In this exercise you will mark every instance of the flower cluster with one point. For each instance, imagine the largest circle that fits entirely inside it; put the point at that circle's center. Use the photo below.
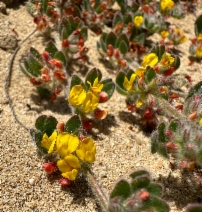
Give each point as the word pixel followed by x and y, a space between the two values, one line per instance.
pixel 71 151
pixel 196 46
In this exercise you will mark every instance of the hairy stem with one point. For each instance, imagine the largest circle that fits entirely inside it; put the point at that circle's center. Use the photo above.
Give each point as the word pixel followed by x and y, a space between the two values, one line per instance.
pixel 98 191
pixel 167 108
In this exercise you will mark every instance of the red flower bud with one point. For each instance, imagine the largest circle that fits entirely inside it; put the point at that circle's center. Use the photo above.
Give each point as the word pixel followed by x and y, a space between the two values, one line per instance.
pixel 132 108
pixel 192 116
pixel 34 81
pixel 59 75
pixel 171 146
pixel 56 63
pixel 65 182
pixel 45 56
pixel 50 167
pixel 144 195
pixel 65 43
pixel 103 96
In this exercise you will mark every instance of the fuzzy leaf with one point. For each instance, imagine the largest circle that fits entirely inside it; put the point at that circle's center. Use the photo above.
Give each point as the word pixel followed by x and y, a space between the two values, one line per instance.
pixel 150 74
pixel 73 125
pixel 140 182
pixel 197 89
pixel 111 39
pixel 123 47
pixel 159 51
pixel 137 174
pixel 198 25
pixel 117 19
pixel 154 142
pixel 177 62
pixel 28 69
pixel 46 124
pixel 127 19
pixel 75 81
pixel 44 93
pixel 161 133
pixel 34 65
pixel 84 32
pixel 122 188
pixel 24 71
pixel 155 189
pixel 122 37
pixel 109 89
pixel 44 5
pixel 173 126
pixel 120 79
pixel 155 204
pixel 36 54
pixel 91 76
pixel 140 38
pixel 61 57
pixel 51 49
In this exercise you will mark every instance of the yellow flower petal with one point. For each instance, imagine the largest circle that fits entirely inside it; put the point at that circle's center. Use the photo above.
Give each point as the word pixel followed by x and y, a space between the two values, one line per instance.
pixel 140 71
pixel 77 95
pixel 164 34
pixel 72 161
pixel 199 51
pixel 63 166
pixel 166 5
pixel 90 157
pixel 199 38
pixel 128 85
pixel 49 142
pixel 71 175
pixel 150 60
pixel 96 88
pixel 139 103
pixel 138 20
pixel 200 122
pixel 167 60
pixel 90 103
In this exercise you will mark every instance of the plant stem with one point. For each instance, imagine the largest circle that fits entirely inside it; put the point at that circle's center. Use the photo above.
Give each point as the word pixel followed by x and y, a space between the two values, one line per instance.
pixel 169 109
pixel 98 191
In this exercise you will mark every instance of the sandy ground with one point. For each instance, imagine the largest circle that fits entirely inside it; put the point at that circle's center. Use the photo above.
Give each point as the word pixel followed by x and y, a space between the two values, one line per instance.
pixel 119 150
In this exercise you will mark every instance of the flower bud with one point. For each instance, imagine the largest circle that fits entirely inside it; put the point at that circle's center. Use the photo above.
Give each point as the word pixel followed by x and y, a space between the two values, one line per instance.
pixel 61 126
pixel 50 167
pixel 143 195
pixel 103 97
pixel 45 56
pixel 65 43
pixel 100 114
pixel 192 116
pixel 65 182
pixel 171 146
pixel 87 124
pixel 56 63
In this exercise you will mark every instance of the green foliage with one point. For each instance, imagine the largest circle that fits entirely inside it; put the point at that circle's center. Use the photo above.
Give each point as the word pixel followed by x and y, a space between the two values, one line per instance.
pixel 73 125
pixel 138 195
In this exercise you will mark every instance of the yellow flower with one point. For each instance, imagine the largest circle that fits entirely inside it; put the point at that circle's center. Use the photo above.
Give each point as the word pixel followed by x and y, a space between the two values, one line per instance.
pixel 164 34
pixel 128 84
pixel 66 144
pixel 140 71
pixel 150 60
pixel 49 142
pixel 200 121
pixel 199 51
pixel 86 150
pixel 90 103
pixel 166 5
pixel 96 88
pixel 69 166
pixel 199 38
pixel 139 103
pixel 167 60
pixel 180 37
pixel 77 95
pixel 138 21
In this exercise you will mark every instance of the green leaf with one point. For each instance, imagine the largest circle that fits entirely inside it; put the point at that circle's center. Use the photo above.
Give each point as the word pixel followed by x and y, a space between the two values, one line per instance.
pixel 154 142
pixel 29 70
pixel 120 79
pixel 139 173
pixel 173 126
pixel 159 51
pixel 122 189
pixel 103 45
pixel 75 81
pixel 84 32
pixel 121 91
pixel 177 62
pixel 44 5
pixel 105 81
pixel 161 133
pixel 91 76
pixel 34 65
pixel 44 93
pixel 24 71
pixel 150 74
pixel 197 89
pixel 36 54
pixel 123 47
pixel 61 57
pixel 51 49
pixel 73 125
pixel 109 89
pixel 127 19
pixel 198 25
pixel 199 156
pixel 37 138
pixel 111 39
pixel 140 38
pixel 117 19
pixel 122 37
pixel 140 182
pixel 155 204
pixel 46 124
pixel 155 189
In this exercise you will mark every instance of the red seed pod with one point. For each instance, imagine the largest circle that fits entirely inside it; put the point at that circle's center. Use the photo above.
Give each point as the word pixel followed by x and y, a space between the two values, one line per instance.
pixel 34 81
pixel 103 97
pixel 87 124
pixel 50 167
pixel 45 56
pixel 65 182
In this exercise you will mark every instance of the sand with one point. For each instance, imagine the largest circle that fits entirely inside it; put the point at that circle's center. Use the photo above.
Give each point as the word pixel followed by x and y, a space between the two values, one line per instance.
pixel 24 186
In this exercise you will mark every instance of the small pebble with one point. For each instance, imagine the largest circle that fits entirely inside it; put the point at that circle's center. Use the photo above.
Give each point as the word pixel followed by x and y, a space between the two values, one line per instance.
pixel 31 181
